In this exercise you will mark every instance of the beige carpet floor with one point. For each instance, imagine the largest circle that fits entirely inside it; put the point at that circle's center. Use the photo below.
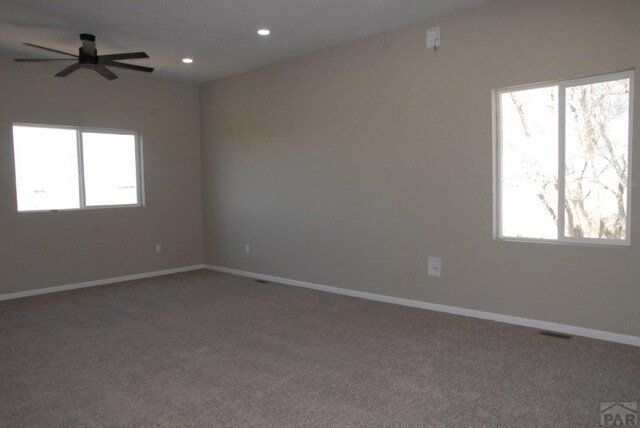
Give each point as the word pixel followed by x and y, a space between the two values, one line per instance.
pixel 210 349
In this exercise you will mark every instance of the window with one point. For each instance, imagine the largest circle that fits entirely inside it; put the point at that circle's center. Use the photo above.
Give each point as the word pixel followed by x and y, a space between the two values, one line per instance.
pixel 564 160
pixel 62 168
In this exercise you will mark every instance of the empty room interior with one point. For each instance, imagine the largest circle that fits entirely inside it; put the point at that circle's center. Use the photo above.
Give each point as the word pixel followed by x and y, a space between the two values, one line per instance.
pixel 289 213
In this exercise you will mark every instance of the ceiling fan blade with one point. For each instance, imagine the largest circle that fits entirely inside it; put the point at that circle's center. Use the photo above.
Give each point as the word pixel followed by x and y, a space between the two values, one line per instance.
pixel 130 55
pixel 128 66
pixel 67 71
pixel 50 50
pixel 105 72
pixel 43 60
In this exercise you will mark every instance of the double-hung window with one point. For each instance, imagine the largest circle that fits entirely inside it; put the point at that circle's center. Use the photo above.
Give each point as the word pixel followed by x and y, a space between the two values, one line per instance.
pixel 65 168
pixel 563 167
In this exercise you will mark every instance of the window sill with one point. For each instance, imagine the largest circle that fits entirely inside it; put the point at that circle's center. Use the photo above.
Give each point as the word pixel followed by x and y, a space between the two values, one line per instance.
pixel 575 243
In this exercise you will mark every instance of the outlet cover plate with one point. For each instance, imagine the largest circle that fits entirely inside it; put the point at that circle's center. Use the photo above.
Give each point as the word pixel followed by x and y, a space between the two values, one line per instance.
pixel 434 267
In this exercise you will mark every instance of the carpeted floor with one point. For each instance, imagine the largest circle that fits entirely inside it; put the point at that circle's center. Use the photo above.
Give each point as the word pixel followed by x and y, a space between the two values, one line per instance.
pixel 210 349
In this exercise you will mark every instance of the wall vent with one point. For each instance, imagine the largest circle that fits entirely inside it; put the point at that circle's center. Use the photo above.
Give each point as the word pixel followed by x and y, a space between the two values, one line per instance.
pixel 555 334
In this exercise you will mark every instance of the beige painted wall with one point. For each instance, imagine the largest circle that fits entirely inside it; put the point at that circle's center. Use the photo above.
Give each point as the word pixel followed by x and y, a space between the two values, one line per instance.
pixel 349 167
pixel 40 250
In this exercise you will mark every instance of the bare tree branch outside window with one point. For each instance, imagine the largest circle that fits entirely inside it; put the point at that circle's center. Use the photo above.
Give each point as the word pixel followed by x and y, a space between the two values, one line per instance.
pixel 596 146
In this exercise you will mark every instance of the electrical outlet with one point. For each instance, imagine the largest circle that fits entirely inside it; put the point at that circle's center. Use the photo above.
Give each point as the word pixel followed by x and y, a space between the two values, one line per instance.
pixel 158 248
pixel 435 267
pixel 247 249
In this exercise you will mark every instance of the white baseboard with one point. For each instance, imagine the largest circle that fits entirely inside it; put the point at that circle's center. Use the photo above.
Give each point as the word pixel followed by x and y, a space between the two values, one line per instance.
pixel 508 319
pixel 95 283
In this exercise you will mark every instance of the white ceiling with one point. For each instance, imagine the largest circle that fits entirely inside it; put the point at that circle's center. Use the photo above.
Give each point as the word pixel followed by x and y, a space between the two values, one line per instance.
pixel 219 34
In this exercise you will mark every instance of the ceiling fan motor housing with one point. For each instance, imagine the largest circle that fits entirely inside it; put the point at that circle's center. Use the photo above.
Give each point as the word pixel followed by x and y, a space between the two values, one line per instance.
pixel 88 54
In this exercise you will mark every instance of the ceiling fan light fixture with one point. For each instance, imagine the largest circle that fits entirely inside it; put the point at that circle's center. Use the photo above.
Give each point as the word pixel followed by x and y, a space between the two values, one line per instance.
pixel 264 32
pixel 187 60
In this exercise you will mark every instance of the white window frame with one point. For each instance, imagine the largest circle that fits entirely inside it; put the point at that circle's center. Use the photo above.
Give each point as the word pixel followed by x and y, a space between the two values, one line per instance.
pixel 81 185
pixel 562 86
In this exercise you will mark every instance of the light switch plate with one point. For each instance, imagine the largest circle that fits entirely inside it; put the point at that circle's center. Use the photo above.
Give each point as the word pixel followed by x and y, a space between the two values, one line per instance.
pixel 433 38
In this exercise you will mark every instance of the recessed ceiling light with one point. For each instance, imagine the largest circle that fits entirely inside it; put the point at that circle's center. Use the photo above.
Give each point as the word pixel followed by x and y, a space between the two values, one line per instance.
pixel 264 32
pixel 187 60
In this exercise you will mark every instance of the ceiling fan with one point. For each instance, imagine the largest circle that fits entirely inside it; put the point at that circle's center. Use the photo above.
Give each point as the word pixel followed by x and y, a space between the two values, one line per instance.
pixel 88 58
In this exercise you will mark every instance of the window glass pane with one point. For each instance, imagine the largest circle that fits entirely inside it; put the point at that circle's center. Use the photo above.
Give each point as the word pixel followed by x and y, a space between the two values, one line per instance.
pixel 529 163
pixel 109 169
pixel 46 162
pixel 597 156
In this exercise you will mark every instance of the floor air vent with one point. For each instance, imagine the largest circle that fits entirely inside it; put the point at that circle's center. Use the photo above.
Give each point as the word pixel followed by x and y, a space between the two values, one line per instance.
pixel 262 281
pixel 555 334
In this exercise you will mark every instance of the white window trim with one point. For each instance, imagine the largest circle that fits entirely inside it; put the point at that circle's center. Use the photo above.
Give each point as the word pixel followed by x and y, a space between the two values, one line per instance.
pixel 81 185
pixel 497 172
